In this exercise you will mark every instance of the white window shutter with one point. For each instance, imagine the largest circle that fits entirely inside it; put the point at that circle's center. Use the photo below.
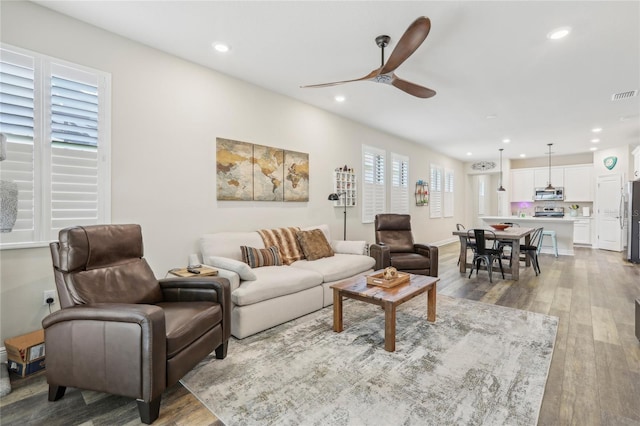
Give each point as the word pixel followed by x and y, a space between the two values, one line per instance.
pixel 17 94
pixel 435 201
pixel 448 193
pixel 56 118
pixel 399 202
pixel 373 183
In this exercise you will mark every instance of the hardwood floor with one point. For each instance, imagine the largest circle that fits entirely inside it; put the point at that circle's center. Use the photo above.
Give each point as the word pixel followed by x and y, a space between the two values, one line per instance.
pixel 594 378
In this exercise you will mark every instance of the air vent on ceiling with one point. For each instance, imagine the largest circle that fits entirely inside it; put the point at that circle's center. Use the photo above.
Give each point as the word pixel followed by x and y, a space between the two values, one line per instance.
pixel 624 95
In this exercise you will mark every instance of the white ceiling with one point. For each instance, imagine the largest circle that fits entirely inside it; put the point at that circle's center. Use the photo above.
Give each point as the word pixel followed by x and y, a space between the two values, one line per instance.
pixel 482 58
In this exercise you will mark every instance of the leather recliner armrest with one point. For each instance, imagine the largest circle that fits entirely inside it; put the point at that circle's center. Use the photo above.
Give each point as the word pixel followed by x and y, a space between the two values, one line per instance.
pixel 431 252
pixel 381 254
pixel 210 289
pixel 108 347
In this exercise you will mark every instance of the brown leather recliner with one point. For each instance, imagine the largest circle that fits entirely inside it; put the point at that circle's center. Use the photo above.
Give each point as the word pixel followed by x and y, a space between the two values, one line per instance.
pixel 395 247
pixel 120 330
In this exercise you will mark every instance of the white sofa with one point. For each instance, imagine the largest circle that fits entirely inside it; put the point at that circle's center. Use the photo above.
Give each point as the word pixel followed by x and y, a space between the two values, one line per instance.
pixel 267 296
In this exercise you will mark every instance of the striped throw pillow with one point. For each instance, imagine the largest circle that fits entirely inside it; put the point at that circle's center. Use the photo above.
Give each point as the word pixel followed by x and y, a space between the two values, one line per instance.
pixel 256 258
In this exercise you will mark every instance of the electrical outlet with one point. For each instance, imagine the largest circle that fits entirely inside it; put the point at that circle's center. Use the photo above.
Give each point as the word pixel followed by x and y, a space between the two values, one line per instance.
pixel 48 294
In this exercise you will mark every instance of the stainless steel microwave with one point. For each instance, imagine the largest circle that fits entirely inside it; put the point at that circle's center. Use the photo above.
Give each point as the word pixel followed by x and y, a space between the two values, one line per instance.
pixel 543 194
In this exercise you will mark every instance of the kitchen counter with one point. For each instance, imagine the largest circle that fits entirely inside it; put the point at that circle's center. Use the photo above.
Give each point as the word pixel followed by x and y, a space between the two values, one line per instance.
pixel 562 225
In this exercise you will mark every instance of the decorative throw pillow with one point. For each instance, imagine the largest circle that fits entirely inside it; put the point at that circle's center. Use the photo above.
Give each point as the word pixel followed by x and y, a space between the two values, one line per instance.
pixel 286 241
pixel 256 258
pixel 240 268
pixel 314 244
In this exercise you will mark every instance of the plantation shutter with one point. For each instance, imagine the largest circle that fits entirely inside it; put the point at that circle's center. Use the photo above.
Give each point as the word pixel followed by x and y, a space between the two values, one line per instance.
pixel 56 119
pixel 373 183
pixel 435 205
pixel 448 193
pixel 399 202
pixel 74 148
pixel 17 94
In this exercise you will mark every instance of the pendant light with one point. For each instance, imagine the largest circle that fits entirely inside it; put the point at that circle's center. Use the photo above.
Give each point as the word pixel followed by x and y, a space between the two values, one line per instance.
pixel 549 186
pixel 501 188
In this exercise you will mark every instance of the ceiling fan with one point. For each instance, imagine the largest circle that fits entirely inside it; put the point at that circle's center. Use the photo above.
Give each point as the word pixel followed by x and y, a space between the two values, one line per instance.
pixel 409 42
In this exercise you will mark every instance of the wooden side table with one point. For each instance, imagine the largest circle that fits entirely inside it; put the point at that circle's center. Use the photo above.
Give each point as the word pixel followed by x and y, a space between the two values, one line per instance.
pixel 205 271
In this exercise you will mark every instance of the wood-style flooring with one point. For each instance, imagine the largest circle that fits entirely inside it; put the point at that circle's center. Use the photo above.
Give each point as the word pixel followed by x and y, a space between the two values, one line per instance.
pixel 594 377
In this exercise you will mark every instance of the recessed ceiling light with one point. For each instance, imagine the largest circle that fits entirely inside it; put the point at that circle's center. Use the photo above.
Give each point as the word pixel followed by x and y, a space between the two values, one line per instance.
pixel 595 140
pixel 596 129
pixel 593 148
pixel 469 153
pixel 559 33
pixel 339 98
pixel 506 140
pixel 221 47
pixel 523 155
pixel 492 116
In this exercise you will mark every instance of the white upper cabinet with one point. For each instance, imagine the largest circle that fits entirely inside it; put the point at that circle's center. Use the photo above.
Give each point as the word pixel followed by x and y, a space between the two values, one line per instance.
pixel 522 186
pixel 578 183
pixel 541 177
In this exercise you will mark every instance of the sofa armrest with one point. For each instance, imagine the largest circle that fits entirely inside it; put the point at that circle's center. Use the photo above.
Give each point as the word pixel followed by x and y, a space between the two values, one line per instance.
pixel 108 347
pixel 431 252
pixel 381 254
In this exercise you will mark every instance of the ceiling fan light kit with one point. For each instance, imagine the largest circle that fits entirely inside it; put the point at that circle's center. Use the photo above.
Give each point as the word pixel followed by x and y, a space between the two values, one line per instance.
pixel 408 43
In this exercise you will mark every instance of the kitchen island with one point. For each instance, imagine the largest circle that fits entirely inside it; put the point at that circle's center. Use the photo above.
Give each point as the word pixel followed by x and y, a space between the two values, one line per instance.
pixel 562 225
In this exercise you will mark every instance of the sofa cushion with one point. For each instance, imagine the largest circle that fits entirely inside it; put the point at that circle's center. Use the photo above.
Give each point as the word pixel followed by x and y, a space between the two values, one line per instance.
pixel 324 228
pixel 185 322
pixel 275 281
pixel 349 247
pixel 227 244
pixel 314 244
pixel 337 267
pixel 257 258
pixel 240 268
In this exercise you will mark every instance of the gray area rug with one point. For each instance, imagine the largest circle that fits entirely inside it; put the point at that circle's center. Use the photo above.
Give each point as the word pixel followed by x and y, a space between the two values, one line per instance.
pixel 479 364
pixel 5 384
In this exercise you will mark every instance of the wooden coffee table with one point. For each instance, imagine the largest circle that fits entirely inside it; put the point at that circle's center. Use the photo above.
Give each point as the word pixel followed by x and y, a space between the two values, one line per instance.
pixel 388 298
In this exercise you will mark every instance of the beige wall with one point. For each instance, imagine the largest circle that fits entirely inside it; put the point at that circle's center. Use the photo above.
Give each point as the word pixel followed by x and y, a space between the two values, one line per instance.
pixel 166 114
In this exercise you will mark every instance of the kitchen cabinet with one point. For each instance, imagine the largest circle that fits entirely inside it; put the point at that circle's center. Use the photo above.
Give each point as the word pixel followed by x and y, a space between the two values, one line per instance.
pixel 522 186
pixel 636 163
pixel 541 177
pixel 578 183
pixel 582 231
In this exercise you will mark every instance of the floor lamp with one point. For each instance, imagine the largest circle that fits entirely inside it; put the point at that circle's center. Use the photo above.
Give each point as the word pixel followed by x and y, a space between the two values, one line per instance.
pixel 336 197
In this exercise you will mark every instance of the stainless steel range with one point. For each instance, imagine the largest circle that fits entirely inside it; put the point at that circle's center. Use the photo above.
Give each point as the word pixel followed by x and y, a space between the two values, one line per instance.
pixel 548 211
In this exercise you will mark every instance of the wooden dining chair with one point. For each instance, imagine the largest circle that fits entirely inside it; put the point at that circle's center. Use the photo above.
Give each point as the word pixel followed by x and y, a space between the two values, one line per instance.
pixel 483 254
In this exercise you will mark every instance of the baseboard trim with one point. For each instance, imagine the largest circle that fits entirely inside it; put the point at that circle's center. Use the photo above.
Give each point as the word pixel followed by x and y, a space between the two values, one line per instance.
pixel 445 242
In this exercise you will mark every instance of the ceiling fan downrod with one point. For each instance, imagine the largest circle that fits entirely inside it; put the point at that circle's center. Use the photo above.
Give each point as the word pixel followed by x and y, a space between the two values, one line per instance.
pixel 382 41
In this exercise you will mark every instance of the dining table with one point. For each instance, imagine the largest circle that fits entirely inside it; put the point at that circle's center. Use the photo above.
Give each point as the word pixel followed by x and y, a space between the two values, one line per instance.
pixel 512 234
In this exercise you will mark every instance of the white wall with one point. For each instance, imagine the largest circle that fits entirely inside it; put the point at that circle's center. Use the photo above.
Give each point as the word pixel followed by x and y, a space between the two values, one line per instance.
pixel 166 115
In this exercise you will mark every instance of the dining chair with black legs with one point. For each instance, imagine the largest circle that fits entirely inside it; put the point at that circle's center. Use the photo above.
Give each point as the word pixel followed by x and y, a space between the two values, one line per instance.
pixel 532 249
pixel 483 254
pixel 470 243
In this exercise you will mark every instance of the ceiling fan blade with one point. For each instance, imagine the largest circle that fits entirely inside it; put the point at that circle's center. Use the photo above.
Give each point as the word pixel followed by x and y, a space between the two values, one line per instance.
pixel 412 88
pixel 369 76
pixel 409 42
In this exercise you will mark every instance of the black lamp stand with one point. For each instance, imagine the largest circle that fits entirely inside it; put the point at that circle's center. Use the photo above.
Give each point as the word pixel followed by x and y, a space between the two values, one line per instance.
pixel 335 197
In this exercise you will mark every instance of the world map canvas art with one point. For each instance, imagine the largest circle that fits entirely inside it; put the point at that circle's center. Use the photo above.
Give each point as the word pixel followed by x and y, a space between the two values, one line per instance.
pixel 246 172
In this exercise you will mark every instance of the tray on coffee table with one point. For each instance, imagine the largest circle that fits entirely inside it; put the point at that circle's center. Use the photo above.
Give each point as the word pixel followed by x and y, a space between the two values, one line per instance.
pixel 379 280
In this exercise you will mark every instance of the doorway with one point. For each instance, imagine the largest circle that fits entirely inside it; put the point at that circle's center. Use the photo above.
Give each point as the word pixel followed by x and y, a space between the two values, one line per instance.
pixel 609 218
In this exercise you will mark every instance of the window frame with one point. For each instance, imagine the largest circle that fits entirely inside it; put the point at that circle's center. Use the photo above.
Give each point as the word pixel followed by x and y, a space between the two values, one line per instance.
pixel 44 68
